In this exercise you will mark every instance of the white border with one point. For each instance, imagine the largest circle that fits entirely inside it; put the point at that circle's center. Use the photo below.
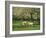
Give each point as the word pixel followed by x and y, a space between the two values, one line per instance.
pixel 31 31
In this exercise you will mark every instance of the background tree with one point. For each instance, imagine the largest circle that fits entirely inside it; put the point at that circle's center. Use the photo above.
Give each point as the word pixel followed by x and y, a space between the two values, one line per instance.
pixel 26 13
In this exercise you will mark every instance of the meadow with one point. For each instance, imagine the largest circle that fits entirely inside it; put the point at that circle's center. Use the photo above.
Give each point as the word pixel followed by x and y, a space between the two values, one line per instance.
pixel 17 26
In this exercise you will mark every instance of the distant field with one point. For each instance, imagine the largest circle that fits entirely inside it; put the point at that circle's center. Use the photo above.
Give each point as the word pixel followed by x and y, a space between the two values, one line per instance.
pixel 17 26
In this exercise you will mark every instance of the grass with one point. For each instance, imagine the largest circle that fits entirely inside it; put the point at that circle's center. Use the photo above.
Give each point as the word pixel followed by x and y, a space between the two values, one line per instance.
pixel 17 26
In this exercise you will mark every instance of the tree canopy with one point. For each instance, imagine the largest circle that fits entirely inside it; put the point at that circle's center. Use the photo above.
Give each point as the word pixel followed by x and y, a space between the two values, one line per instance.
pixel 26 13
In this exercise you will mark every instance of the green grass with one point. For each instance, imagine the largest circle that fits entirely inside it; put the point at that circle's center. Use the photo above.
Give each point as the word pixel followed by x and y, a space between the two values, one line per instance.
pixel 17 26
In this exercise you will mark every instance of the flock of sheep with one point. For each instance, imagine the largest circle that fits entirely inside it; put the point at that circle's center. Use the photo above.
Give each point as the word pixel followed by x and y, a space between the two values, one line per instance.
pixel 26 23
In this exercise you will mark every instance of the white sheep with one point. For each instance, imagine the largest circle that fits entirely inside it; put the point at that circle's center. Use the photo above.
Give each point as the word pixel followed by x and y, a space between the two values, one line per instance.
pixel 30 23
pixel 23 23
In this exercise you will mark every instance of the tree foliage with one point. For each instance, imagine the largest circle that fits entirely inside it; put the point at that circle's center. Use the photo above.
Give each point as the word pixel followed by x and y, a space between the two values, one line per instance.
pixel 25 13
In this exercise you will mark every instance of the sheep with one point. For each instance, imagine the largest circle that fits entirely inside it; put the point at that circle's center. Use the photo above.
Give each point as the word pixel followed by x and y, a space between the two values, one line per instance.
pixel 30 23
pixel 23 23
